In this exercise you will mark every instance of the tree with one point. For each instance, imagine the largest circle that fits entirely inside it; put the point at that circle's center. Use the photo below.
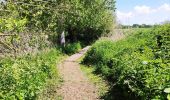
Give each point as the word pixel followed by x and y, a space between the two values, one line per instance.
pixel 89 19
pixel 82 19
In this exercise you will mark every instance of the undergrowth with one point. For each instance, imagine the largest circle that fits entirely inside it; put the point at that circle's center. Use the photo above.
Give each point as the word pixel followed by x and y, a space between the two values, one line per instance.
pixel 29 76
pixel 137 67
pixel 72 48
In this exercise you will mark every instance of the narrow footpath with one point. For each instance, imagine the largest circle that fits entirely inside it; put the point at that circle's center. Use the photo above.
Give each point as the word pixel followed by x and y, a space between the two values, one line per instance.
pixel 76 85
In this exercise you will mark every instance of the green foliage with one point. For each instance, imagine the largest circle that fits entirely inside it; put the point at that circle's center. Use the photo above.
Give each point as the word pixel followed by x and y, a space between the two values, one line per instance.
pixel 9 24
pixel 72 48
pixel 167 90
pixel 89 19
pixel 138 66
pixel 25 77
pixel 81 19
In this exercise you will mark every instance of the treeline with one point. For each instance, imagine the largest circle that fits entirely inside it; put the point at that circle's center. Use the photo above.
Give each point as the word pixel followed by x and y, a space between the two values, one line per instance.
pixel 137 26
pixel 142 25
pixel 82 20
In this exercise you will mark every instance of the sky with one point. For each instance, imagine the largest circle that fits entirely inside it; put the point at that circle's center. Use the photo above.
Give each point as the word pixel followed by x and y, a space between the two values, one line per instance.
pixel 142 11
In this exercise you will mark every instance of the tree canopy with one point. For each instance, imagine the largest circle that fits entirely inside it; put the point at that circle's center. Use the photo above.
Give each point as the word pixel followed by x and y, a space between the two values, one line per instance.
pixel 81 19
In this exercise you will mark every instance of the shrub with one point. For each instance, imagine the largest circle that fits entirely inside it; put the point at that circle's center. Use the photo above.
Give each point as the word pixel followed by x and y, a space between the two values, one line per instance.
pixel 25 77
pixel 72 48
pixel 137 66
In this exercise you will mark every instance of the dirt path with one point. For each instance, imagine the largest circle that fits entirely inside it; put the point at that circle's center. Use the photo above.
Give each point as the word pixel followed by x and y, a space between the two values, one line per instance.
pixel 76 85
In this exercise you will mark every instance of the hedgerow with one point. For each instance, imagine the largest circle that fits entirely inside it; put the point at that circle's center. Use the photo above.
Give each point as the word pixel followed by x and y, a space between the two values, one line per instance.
pixel 137 67
pixel 25 77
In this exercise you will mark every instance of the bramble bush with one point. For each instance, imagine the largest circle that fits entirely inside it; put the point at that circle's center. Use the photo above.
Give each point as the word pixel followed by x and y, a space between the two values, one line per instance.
pixel 25 77
pixel 137 67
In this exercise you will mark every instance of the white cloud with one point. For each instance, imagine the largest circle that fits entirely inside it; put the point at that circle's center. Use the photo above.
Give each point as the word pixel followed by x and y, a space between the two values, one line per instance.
pixel 165 7
pixel 148 10
pixel 124 15
pixel 144 9
pixel 145 14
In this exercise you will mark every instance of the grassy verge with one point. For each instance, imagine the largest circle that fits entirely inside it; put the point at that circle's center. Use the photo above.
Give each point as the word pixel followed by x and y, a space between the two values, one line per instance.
pixel 101 85
pixel 98 80
pixel 49 92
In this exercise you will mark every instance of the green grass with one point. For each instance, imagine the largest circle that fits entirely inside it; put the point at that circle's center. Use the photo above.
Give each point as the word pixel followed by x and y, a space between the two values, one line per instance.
pixel 98 80
pixel 101 85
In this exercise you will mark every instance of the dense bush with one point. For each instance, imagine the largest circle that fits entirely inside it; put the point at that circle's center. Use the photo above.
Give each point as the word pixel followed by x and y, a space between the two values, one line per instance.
pixel 72 48
pixel 138 66
pixel 25 77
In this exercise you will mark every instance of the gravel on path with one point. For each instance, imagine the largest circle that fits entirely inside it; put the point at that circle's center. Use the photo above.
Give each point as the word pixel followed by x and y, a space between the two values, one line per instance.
pixel 76 85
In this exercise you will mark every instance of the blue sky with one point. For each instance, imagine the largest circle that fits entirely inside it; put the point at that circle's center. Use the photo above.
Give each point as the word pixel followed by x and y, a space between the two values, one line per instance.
pixel 143 11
